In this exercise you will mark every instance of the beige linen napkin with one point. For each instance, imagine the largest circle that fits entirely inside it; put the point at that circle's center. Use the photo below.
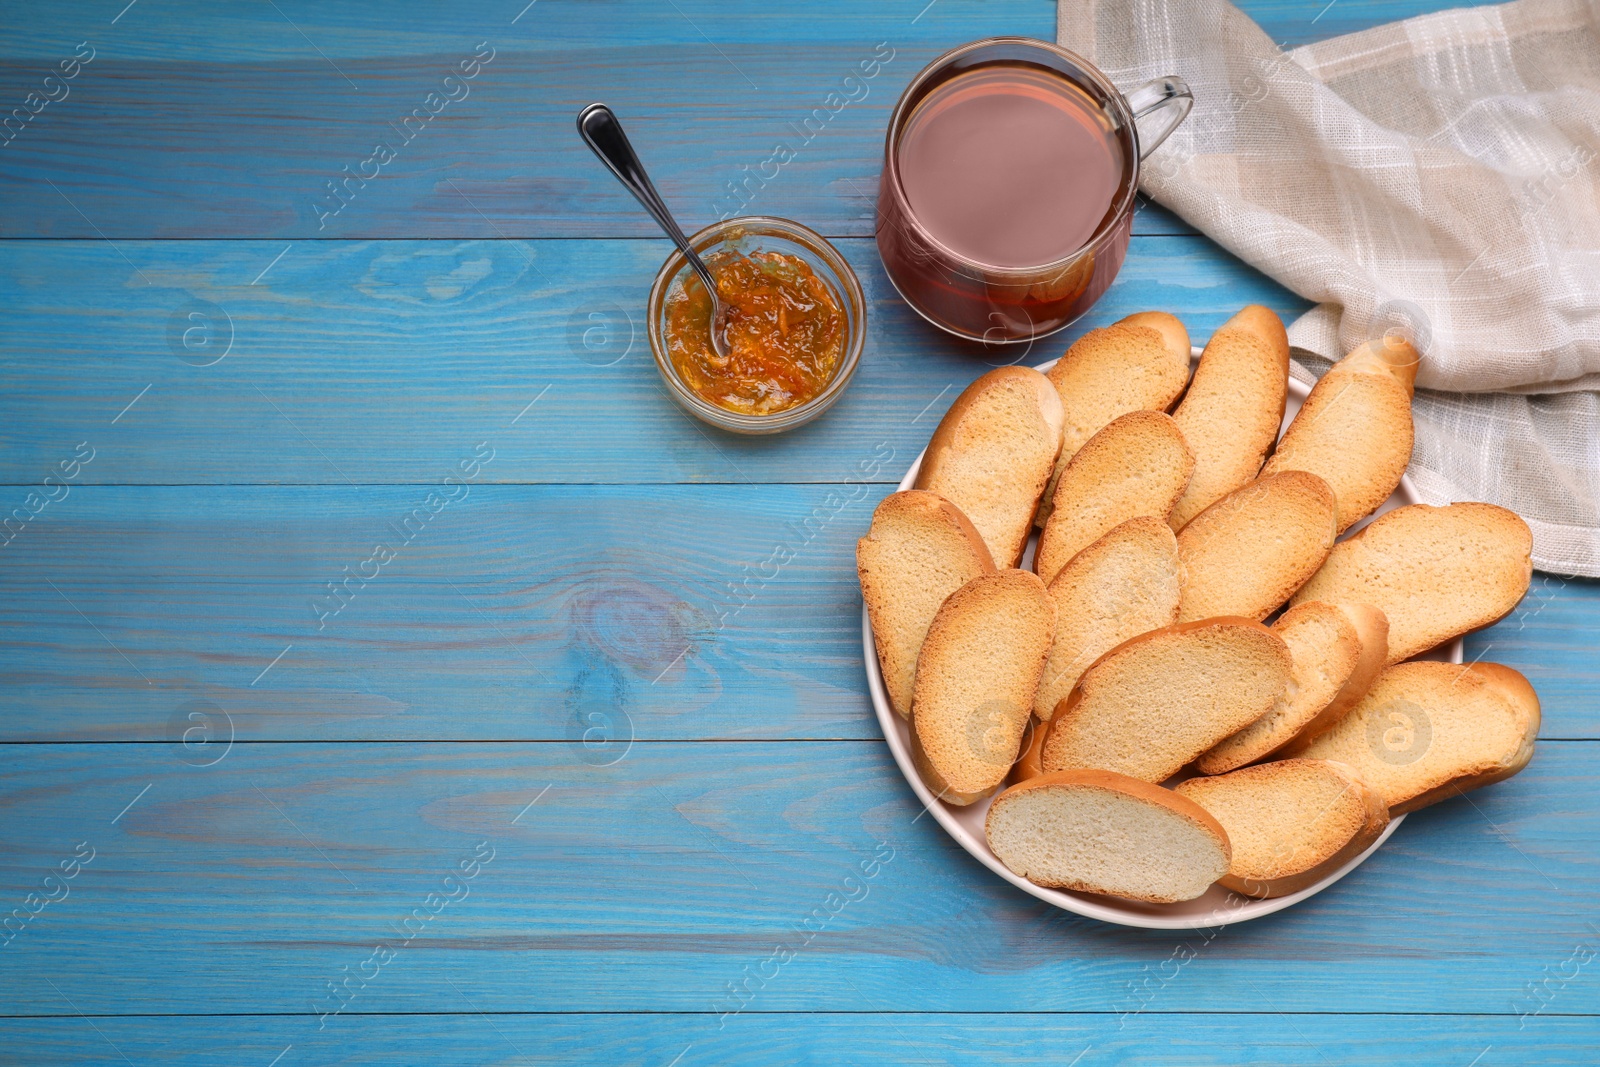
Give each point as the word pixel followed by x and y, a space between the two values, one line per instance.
pixel 1439 177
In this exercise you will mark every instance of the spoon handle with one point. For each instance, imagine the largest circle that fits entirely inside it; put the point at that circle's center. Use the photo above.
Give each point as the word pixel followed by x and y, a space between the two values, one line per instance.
pixel 601 131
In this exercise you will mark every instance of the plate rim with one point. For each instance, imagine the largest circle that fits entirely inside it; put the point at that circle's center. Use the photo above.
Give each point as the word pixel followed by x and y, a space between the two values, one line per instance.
pixel 1107 909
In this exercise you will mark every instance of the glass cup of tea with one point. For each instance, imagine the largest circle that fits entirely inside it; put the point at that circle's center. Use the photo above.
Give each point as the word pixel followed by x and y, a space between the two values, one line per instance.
pixel 1009 175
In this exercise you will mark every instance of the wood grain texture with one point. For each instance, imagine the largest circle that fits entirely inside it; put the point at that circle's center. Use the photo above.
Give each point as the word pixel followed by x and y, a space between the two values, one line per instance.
pixel 517 612
pixel 361 362
pixel 654 882
pixel 980 1039
pixel 246 140
pixel 205 120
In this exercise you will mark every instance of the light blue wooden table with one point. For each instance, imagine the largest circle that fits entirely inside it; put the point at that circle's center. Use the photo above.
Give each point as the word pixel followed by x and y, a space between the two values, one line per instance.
pixel 555 780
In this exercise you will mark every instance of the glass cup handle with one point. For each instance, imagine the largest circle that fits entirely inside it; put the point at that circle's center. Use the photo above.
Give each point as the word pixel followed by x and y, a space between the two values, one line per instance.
pixel 1170 94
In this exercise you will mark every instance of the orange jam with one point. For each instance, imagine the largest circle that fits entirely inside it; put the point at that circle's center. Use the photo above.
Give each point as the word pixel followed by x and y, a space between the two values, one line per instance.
pixel 786 332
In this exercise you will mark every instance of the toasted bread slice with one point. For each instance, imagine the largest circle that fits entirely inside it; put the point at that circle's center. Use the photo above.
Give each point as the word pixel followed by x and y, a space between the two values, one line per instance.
pixel 1154 703
pixel 1234 406
pixel 920 549
pixel 1337 651
pixel 1123 585
pixel 1436 573
pixel 1138 364
pixel 1247 553
pixel 1426 731
pixel 994 452
pixel 1290 823
pixel 1028 764
pixel 1388 355
pixel 1097 832
pixel 976 677
pixel 1137 465
pixel 1354 431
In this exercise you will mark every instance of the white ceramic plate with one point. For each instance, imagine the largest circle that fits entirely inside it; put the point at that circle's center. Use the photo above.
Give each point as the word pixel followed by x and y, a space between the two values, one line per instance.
pixel 1218 907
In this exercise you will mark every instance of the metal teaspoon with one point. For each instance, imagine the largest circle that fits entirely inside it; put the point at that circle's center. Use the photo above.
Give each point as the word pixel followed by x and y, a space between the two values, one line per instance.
pixel 603 134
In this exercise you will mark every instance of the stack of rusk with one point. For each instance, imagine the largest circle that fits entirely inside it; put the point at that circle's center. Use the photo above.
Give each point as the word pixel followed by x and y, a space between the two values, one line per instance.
pixel 1153 734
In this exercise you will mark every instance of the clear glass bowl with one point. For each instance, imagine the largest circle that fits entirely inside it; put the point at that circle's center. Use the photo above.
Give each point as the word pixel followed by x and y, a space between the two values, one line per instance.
pixel 758 233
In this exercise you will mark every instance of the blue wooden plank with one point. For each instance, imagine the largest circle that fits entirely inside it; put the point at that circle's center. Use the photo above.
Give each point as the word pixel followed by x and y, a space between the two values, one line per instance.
pixel 470 1039
pixel 250 136
pixel 1552 638
pixel 210 120
pixel 360 362
pixel 652 883
pixel 187 31
pixel 516 612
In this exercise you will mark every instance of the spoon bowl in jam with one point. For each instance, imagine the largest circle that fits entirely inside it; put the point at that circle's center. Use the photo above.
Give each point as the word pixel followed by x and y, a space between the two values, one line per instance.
pixel 795 322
